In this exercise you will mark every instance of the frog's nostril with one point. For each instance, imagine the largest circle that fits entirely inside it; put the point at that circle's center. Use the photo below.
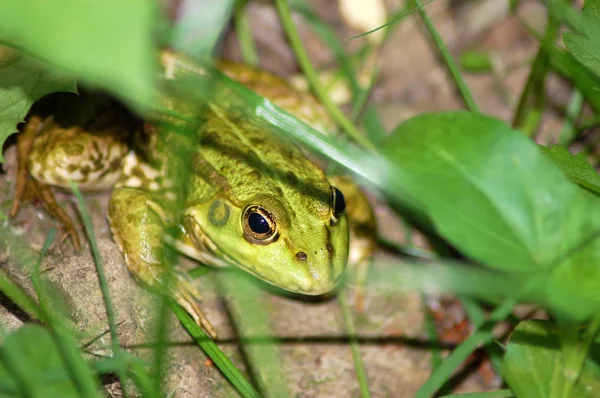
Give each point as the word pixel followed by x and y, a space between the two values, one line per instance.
pixel 301 256
pixel 329 249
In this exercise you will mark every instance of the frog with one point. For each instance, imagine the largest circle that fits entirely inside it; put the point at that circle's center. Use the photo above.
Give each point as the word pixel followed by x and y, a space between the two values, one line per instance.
pixel 251 198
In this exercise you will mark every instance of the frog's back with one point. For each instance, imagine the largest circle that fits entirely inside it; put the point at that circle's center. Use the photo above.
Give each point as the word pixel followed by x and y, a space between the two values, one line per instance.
pixel 249 160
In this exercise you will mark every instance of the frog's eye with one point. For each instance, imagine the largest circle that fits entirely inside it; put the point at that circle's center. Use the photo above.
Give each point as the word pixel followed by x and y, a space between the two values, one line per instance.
pixel 259 225
pixel 338 205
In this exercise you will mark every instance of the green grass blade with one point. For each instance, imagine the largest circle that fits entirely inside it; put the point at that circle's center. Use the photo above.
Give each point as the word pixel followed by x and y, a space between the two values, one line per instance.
pixel 528 115
pixel 359 367
pixel 450 63
pixel 488 394
pixel 25 256
pixel 569 131
pixel 215 354
pixel 249 308
pixel 65 342
pixel 335 112
pixel 398 16
pixel 244 33
pixel 481 336
pixel 18 296
pixel 110 312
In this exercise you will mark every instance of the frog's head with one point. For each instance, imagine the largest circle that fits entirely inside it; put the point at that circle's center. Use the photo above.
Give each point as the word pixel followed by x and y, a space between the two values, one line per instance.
pixel 299 245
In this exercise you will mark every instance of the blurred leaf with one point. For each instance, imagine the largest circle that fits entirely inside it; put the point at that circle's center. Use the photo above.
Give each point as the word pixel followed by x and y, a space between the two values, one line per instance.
pixel 106 42
pixel 199 25
pixel 534 365
pixel 24 80
pixel 584 50
pixel 576 167
pixel 590 16
pixel 31 366
pixel 476 62
pixel 587 49
pixel 498 199
pixel 488 189
pixel 586 81
pixel 248 305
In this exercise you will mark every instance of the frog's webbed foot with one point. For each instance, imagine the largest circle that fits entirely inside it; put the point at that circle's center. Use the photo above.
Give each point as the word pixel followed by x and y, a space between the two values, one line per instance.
pixel 26 186
pixel 188 297
pixel 138 224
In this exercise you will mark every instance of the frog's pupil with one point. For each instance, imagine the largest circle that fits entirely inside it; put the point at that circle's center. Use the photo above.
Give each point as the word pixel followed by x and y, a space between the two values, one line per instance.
pixel 339 203
pixel 258 224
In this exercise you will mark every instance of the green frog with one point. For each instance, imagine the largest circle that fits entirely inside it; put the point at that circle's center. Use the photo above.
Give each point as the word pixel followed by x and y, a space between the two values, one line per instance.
pixel 251 198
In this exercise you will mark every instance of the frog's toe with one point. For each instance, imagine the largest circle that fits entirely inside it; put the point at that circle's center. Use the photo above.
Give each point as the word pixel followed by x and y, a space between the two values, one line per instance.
pixel 187 296
pixel 44 193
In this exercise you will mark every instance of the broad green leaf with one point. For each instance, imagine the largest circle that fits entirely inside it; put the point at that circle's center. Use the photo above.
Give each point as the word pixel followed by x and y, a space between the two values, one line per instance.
pixel 488 189
pixel 533 365
pixel 23 80
pixel 576 167
pixel 584 50
pixel 106 42
pixel 590 16
pixel 31 366
pixel 493 194
pixel 587 49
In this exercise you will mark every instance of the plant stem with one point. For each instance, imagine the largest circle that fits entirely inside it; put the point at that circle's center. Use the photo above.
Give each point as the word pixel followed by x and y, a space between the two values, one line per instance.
pixel 335 112
pixel 450 64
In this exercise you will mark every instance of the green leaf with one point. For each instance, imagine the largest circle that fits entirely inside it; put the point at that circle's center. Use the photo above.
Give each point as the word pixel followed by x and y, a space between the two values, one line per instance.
pixel 488 189
pixel 24 80
pixel 587 49
pixel 493 194
pixel 576 167
pixel 533 365
pixel 31 366
pixel 584 50
pixel 476 62
pixel 199 26
pixel 590 16
pixel 106 42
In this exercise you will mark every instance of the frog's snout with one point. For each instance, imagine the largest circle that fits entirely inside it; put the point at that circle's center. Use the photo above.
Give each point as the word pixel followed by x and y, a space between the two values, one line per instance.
pixel 321 270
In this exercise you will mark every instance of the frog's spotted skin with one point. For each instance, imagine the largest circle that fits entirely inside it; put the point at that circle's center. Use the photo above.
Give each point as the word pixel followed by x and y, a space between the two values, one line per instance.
pixel 59 155
pixel 250 198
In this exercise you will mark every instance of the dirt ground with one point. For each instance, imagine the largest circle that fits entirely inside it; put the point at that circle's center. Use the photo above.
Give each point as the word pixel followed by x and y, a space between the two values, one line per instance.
pixel 315 354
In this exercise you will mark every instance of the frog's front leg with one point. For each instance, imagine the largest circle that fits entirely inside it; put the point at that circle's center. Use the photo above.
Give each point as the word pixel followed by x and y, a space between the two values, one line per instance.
pixel 138 223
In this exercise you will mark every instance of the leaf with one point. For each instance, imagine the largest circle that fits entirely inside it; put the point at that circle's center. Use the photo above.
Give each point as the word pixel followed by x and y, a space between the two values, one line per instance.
pixel 474 61
pixel 590 16
pixel 584 50
pixel 24 80
pixel 199 26
pixel 493 194
pixel 533 365
pixel 576 167
pixel 31 365
pixel 106 42
pixel 488 189
pixel 587 49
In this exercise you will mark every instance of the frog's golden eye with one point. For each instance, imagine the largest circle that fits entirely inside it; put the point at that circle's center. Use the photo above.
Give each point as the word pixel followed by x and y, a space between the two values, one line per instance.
pixel 338 205
pixel 259 225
